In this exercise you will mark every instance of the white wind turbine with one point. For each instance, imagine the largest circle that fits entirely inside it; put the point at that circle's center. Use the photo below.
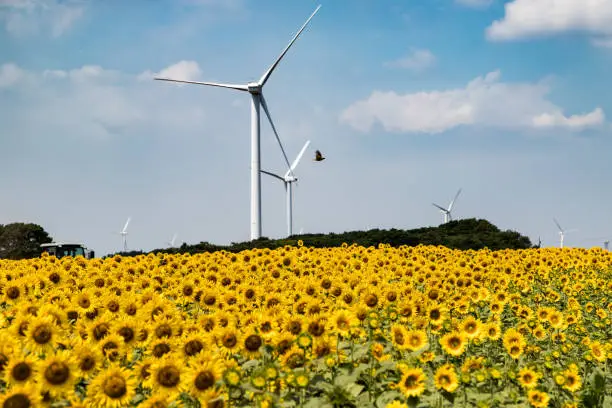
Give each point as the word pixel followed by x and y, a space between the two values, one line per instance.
pixel 288 179
pixel 124 234
pixel 172 241
pixel 562 232
pixel 257 99
pixel 447 211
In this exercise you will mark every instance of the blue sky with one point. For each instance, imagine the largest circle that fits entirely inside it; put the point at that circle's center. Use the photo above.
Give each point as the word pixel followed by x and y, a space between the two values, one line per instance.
pixel 409 101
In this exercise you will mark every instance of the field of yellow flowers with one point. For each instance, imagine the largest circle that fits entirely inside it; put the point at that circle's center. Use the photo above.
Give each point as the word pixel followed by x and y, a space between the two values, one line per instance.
pixel 304 327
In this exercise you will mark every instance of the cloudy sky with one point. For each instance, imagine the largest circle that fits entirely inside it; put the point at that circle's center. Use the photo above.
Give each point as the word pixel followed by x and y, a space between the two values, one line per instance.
pixel 408 100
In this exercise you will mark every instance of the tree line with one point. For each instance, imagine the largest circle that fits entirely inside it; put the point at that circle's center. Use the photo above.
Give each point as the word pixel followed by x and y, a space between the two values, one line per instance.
pixel 23 240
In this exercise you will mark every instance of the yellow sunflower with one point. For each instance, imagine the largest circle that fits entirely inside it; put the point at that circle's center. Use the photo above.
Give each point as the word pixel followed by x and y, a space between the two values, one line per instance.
pixel 416 340
pixel 202 377
pixel 27 395
pixel 114 387
pixel 445 378
pixel 412 383
pixel 453 343
pixel 538 399
pixel 19 370
pixel 528 378
pixel 167 376
pixel 57 373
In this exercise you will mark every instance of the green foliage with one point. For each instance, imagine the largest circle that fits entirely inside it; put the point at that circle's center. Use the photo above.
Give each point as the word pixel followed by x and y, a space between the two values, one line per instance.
pixel 461 234
pixel 21 241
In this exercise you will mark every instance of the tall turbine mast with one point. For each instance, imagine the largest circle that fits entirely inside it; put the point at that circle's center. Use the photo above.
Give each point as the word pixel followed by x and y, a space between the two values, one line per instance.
pixel 257 101
pixel 288 179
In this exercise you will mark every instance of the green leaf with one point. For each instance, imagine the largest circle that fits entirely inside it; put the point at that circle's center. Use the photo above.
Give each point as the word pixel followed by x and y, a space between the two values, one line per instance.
pixel 387 398
pixel 317 403
pixel 354 389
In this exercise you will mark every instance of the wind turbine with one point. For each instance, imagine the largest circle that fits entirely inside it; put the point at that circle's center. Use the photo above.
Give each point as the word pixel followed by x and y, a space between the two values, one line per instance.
pixel 124 234
pixel 562 232
pixel 172 241
pixel 257 100
pixel 447 211
pixel 288 179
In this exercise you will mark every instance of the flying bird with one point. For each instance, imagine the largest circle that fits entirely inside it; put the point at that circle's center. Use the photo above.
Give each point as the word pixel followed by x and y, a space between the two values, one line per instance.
pixel 318 156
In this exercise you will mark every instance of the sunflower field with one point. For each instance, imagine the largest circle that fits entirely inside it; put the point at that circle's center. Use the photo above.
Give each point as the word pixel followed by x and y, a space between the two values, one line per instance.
pixel 302 327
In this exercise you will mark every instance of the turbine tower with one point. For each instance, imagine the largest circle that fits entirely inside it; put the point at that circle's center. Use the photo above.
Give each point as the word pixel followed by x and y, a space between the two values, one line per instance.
pixel 257 100
pixel 288 179
pixel 447 211
pixel 562 232
pixel 124 234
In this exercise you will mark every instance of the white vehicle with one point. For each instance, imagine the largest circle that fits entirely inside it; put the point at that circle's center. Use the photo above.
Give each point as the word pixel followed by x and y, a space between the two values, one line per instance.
pixel 62 249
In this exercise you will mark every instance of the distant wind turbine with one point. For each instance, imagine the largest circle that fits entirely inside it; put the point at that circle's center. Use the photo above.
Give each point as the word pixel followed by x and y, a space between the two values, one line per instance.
pixel 124 234
pixel 447 212
pixel 257 100
pixel 288 179
pixel 562 232
pixel 172 241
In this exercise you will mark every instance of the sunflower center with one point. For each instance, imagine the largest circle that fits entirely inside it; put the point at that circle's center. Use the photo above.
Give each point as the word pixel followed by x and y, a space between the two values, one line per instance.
pixel 12 292
pixel 161 349
pixel 57 373
pixel 229 340
pixel 169 376
pixel 253 342
pixel 204 380
pixel 163 330
pixel 444 380
pixel 87 363
pixel 113 306
pixel 127 333
pixel 371 300
pixel 342 324
pixel 21 371
pixel 295 360
pixel 410 381
pixel 193 347
pixel 54 277
pixel 188 290
pixel 84 303
pixel 42 334
pixel 316 329
pixel 17 401
pixel 295 328
pixel 100 331
pixel 115 386
pixel 72 315
pixel 434 314
pixel 454 342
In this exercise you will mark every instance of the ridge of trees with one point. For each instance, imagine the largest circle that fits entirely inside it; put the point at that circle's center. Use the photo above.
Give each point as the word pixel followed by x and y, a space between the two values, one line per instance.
pixel 462 234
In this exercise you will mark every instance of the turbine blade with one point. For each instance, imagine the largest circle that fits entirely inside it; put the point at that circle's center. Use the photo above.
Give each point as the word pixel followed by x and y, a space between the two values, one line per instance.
pixel 273 175
pixel 297 159
pixel 558 226
pixel 220 85
pixel 124 230
pixel 450 207
pixel 266 75
pixel 441 208
pixel 265 106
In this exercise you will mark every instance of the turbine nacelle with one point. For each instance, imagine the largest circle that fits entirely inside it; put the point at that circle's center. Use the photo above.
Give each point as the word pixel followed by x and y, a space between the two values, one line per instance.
pixel 254 88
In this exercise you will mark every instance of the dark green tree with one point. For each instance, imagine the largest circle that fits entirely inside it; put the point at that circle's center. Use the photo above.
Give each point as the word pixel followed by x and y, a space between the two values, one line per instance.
pixel 20 240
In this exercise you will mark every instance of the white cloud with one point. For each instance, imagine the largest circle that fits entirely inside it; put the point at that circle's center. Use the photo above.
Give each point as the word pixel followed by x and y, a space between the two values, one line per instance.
pixel 418 60
pixel 10 74
pixel 475 3
pixel 530 18
pixel 548 120
pixel 29 17
pixel 184 70
pixel 484 101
